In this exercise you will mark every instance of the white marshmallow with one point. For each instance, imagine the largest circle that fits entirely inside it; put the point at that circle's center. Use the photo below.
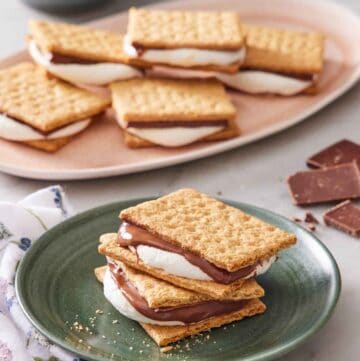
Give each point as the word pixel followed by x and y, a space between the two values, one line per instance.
pixel 11 129
pixel 178 265
pixel 174 136
pixel 114 295
pixel 90 74
pixel 260 82
pixel 171 136
pixel 186 56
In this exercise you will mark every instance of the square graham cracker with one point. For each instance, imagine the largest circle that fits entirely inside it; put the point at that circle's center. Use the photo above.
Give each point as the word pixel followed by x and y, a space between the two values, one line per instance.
pixel 185 29
pixel 284 51
pixel 164 335
pixel 241 289
pixel 231 131
pixel 217 232
pixel 166 100
pixel 77 41
pixel 30 95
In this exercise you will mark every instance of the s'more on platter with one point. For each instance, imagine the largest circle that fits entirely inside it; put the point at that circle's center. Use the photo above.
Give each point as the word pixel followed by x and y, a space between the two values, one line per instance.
pixel 80 54
pixel 42 111
pixel 206 40
pixel 185 263
pixel 172 112
pixel 278 61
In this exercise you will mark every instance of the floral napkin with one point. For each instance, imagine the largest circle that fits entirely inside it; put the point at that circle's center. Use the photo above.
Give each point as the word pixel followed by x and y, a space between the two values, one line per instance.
pixel 21 224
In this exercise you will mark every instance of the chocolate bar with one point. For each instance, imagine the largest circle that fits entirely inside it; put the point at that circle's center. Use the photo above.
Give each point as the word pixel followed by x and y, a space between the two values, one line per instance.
pixel 346 217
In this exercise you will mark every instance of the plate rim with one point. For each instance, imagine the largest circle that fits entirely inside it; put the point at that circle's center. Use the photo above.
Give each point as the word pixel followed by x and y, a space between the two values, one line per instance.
pixel 270 354
pixel 210 150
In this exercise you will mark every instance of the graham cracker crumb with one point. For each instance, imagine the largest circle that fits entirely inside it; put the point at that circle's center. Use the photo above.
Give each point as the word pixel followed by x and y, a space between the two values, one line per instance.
pixel 166 349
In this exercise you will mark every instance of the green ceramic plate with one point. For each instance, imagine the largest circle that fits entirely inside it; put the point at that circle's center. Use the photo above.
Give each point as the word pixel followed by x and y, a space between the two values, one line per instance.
pixel 57 287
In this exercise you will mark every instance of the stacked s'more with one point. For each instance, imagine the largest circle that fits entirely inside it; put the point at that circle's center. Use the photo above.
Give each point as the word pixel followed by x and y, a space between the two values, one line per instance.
pixel 186 263
pixel 42 111
pixel 278 61
pixel 79 54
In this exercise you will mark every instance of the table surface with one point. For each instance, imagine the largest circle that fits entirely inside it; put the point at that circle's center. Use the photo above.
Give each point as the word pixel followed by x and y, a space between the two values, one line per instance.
pixel 255 174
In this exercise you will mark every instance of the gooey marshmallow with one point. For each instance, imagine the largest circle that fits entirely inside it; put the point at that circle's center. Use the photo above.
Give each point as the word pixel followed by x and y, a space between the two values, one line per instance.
pixel 11 129
pixel 90 74
pixel 172 136
pixel 114 295
pixel 178 265
pixel 259 82
pixel 186 56
pixel 248 81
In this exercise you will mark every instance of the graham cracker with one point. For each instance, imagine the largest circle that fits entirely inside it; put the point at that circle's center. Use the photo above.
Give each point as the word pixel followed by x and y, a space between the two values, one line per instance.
pixel 219 233
pixel 185 29
pixel 284 51
pixel 30 95
pixel 49 145
pixel 241 289
pixel 78 41
pixel 164 335
pixel 231 131
pixel 152 99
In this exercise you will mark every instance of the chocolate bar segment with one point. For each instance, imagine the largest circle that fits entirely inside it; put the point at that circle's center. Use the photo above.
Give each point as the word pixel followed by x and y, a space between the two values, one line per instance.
pixel 341 152
pixel 346 217
pixel 325 185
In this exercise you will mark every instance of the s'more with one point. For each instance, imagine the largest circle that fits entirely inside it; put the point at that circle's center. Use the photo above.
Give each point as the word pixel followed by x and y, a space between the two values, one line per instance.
pixel 206 40
pixel 79 54
pixel 42 111
pixel 172 112
pixel 169 313
pixel 278 61
pixel 196 242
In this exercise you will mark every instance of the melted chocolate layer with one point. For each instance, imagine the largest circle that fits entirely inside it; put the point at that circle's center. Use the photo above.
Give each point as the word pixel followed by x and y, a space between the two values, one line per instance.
pixel 168 124
pixel 186 314
pixel 140 236
pixel 64 59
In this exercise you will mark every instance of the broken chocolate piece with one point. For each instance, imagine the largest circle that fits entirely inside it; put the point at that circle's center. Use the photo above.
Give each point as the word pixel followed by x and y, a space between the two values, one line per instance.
pixel 310 218
pixel 325 185
pixel 346 217
pixel 341 152
pixel 311 227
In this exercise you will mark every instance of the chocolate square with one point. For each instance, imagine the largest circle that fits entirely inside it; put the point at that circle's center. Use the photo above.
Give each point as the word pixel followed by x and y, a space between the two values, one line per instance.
pixel 346 217
pixel 325 185
pixel 341 152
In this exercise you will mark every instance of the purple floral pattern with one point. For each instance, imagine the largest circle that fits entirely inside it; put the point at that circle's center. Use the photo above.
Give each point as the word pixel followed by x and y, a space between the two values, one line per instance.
pixel 5 353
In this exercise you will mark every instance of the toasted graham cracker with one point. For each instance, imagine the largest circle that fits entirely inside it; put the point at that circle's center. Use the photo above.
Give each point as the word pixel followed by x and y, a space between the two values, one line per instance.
pixel 231 131
pixel 185 29
pixel 241 289
pixel 50 145
pixel 219 233
pixel 78 41
pixel 151 99
pixel 30 95
pixel 164 335
pixel 280 50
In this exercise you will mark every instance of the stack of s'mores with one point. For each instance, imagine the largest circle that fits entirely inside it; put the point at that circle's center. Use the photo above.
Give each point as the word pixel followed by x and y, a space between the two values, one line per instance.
pixel 186 263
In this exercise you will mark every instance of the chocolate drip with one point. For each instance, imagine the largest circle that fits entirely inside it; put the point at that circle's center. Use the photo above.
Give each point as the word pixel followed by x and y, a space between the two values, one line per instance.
pixel 176 123
pixel 65 59
pixel 186 314
pixel 140 236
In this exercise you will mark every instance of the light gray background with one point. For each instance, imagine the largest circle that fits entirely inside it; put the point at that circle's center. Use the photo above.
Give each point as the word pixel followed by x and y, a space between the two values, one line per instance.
pixel 255 174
